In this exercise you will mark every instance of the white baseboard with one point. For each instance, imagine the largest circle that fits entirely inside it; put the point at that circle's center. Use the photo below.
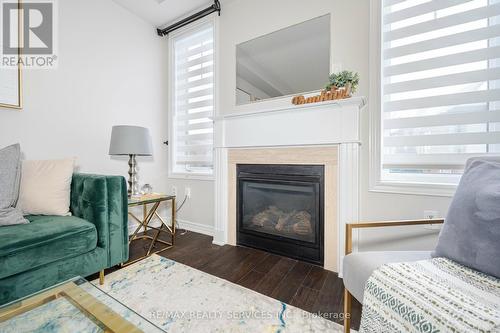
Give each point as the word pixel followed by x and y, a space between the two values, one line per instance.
pixel 219 238
pixel 182 224
pixel 218 243
pixel 196 227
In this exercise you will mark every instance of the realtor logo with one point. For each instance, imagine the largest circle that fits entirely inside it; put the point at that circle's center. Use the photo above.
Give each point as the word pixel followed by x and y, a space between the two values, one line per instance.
pixel 28 33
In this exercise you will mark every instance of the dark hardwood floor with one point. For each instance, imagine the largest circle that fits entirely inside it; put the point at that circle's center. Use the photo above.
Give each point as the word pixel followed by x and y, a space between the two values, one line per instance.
pixel 303 285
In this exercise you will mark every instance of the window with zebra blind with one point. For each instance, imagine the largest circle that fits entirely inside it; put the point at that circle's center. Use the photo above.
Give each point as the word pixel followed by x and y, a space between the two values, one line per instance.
pixel 440 88
pixel 192 100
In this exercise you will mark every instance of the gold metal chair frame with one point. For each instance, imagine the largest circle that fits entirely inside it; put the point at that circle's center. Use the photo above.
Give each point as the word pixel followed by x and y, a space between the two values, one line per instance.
pixel 148 216
pixel 348 250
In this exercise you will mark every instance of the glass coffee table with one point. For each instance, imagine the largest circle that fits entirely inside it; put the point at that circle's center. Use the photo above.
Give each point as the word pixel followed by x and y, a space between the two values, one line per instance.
pixel 72 306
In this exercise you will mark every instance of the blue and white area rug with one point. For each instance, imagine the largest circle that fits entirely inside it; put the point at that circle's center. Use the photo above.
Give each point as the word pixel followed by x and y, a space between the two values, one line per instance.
pixel 178 298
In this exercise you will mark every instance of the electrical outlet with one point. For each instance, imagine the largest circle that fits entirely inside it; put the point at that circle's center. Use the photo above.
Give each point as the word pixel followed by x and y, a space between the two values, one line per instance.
pixel 174 190
pixel 187 191
pixel 431 214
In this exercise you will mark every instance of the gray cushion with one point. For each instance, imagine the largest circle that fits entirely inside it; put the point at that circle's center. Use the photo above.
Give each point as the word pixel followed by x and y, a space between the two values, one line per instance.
pixel 359 266
pixel 10 174
pixel 471 232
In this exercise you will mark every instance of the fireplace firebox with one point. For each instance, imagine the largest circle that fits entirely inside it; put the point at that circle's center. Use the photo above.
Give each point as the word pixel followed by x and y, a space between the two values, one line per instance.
pixel 280 209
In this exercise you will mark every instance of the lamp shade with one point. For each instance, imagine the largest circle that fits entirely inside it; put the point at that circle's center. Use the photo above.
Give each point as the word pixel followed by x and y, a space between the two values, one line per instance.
pixel 130 140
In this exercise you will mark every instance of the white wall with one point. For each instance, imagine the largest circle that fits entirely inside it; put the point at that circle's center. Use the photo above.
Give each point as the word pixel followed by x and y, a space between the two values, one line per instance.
pixel 111 71
pixel 350 50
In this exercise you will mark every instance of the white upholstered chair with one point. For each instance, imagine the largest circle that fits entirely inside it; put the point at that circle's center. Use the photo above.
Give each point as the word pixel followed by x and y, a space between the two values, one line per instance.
pixel 357 267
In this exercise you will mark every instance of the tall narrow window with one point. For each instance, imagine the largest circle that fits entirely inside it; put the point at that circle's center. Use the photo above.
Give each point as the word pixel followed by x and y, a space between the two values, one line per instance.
pixel 440 89
pixel 192 103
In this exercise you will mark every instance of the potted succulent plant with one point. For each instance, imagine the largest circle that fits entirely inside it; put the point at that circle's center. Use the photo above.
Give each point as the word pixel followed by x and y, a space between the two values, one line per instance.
pixel 345 79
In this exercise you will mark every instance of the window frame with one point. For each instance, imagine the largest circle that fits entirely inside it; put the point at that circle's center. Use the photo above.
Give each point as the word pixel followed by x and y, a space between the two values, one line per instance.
pixel 172 174
pixel 376 183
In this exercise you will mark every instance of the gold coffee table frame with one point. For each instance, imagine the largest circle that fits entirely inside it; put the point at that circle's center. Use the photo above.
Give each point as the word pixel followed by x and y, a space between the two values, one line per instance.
pixel 97 312
pixel 148 215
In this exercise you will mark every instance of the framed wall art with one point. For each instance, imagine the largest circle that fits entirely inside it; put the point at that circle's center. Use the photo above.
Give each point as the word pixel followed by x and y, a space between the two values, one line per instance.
pixel 10 67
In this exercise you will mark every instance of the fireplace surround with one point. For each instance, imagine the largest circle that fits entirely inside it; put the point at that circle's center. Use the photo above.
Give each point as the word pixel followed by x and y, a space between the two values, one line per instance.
pixel 280 209
pixel 276 132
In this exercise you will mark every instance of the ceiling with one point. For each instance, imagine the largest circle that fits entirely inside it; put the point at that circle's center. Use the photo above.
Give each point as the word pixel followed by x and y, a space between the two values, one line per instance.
pixel 163 12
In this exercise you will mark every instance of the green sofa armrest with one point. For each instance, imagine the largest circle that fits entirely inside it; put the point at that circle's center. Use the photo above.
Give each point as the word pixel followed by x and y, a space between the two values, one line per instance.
pixel 102 200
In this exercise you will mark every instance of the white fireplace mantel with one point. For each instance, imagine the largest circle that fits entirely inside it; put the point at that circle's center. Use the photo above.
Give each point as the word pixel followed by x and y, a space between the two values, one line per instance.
pixel 326 123
pixel 280 125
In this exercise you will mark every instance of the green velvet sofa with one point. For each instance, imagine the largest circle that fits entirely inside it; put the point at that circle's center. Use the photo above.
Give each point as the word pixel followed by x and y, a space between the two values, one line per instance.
pixel 52 249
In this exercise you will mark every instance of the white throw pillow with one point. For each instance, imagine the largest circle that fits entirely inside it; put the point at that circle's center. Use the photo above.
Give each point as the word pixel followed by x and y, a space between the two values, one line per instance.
pixel 45 187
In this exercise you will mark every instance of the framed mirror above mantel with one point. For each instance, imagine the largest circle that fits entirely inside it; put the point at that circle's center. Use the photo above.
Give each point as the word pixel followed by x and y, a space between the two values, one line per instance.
pixel 294 60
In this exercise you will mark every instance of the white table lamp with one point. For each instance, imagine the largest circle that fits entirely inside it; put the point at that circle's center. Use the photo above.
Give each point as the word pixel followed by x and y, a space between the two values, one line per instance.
pixel 132 141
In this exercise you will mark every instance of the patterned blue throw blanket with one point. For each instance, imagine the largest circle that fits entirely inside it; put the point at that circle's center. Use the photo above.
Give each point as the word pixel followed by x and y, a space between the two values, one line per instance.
pixel 436 295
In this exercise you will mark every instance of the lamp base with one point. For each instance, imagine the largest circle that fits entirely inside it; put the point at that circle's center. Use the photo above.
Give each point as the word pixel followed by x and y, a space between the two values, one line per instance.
pixel 133 186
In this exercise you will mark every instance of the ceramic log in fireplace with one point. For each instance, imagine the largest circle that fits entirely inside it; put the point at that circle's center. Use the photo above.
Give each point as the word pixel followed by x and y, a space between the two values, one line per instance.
pixel 280 209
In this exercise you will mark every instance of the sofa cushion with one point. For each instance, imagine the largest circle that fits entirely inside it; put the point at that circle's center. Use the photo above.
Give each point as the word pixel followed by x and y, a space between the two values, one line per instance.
pixel 46 239
pixel 10 173
pixel 357 267
pixel 20 285
pixel 45 187
pixel 471 232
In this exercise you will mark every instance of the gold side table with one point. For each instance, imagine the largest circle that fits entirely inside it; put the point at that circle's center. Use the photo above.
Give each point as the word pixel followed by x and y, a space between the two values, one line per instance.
pixel 148 215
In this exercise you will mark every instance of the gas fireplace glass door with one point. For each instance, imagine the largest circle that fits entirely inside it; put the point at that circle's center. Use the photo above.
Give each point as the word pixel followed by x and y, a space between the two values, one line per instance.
pixel 286 209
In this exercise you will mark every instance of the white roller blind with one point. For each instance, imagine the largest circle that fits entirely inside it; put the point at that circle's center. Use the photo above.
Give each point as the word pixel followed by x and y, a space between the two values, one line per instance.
pixel 193 102
pixel 440 87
